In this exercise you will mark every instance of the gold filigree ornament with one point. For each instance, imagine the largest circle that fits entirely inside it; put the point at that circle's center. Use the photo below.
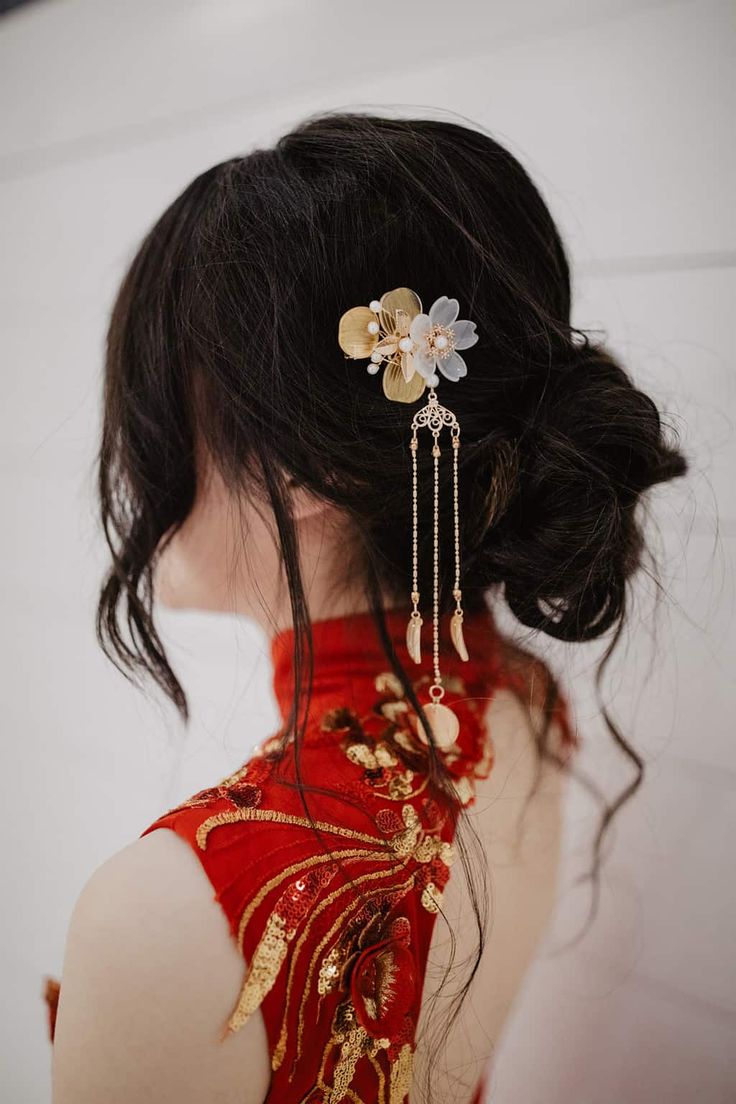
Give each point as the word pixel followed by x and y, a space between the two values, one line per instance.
pixel 416 350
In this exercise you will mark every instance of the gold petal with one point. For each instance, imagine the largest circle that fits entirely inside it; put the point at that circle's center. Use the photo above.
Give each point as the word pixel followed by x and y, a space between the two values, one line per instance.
pixel 400 299
pixel 387 346
pixel 397 388
pixel 353 335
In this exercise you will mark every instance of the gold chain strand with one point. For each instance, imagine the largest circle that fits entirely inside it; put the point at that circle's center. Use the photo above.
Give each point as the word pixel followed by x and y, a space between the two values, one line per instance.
pixel 456 510
pixel 456 621
pixel 413 629
pixel 436 560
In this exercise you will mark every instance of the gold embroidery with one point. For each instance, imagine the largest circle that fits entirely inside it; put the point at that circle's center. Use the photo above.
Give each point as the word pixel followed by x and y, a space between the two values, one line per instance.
pixel 329 972
pixel 389 683
pixel 256 985
pixel 381 1078
pixel 263 970
pixel 431 897
pixel 295 868
pixel 277 817
pixel 280 1048
pixel 352 1045
pixel 401 1075
pixel 354 1042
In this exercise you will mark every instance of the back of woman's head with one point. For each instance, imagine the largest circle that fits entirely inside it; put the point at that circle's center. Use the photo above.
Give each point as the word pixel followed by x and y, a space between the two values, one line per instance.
pixel 225 334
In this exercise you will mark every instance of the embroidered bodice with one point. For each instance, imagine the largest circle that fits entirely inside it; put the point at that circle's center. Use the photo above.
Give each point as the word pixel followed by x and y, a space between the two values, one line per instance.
pixel 333 905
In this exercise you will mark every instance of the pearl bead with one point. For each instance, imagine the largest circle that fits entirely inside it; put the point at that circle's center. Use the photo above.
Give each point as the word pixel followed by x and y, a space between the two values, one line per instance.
pixel 373 327
pixel 433 380
pixel 373 368
pixel 376 358
pixel 440 342
pixel 406 344
pixel 375 305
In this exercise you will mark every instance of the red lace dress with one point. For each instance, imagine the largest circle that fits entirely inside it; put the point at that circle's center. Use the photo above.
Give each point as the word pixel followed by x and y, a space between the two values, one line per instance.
pixel 334 914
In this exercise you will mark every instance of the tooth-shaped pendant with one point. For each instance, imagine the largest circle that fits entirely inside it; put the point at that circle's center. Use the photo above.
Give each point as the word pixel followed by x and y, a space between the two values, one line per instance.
pixel 456 632
pixel 414 639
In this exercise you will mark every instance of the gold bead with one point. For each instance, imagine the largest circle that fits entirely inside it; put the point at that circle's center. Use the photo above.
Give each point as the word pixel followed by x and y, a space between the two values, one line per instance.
pixel 436 451
pixel 415 596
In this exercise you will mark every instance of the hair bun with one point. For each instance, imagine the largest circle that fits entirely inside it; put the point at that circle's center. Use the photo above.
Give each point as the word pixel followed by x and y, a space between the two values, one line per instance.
pixel 570 538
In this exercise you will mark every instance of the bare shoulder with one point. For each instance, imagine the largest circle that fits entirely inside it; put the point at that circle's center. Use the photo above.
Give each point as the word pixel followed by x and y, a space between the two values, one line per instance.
pixel 151 973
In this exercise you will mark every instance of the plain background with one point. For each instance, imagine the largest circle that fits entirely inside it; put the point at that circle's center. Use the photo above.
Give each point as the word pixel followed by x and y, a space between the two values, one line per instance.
pixel 622 111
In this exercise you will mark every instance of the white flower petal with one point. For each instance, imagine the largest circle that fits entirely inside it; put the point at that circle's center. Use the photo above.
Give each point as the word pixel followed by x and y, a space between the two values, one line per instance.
pixel 453 368
pixel 444 311
pixel 423 365
pixel 419 328
pixel 465 335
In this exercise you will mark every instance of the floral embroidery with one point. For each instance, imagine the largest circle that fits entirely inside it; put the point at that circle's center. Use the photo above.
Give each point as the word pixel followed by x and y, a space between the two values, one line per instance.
pixel 366 951
pixel 386 744
pixel 241 789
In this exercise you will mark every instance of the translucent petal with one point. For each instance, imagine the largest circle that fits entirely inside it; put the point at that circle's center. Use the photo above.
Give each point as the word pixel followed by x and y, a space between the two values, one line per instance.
pixel 444 311
pixel 423 365
pixel 465 335
pixel 419 328
pixel 453 368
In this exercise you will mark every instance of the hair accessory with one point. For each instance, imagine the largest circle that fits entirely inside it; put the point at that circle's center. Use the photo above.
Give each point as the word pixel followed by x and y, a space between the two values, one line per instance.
pixel 416 349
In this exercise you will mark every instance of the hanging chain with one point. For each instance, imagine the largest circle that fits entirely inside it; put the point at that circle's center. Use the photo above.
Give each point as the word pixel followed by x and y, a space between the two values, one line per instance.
pixel 457 594
pixel 434 417
pixel 436 567
pixel 414 529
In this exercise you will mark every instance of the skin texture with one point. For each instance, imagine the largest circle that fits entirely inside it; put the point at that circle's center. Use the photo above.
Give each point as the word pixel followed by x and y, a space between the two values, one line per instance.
pixel 151 971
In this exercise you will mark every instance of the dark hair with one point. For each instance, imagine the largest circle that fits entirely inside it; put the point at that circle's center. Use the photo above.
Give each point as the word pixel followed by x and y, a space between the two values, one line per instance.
pixel 225 331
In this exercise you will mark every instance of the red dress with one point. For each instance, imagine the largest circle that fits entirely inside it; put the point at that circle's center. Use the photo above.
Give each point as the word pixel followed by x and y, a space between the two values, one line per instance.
pixel 334 914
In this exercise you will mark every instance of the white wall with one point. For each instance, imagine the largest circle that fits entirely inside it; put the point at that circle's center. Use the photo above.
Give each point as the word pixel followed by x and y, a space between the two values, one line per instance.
pixel 622 111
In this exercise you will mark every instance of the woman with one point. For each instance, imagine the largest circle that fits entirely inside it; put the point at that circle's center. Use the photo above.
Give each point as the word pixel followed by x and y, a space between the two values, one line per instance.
pixel 248 463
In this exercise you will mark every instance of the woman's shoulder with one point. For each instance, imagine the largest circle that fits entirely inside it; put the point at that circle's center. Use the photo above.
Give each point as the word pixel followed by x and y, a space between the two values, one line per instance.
pixel 149 968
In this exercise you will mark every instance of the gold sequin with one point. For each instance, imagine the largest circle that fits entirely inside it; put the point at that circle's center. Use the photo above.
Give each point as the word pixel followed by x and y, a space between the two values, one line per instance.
pixel 431 898
pixel 295 868
pixel 326 939
pixel 263 970
pixel 401 1075
pixel 381 1078
pixel 329 971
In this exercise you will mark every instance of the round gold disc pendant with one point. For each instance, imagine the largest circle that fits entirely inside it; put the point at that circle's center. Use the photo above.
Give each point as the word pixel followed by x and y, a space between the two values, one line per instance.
pixel 445 725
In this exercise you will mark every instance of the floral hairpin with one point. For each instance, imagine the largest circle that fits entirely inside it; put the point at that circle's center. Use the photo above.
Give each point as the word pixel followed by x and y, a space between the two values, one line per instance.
pixel 416 349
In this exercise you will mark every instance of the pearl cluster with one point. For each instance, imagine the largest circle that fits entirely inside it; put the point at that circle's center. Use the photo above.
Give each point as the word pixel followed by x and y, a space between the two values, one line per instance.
pixel 374 328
